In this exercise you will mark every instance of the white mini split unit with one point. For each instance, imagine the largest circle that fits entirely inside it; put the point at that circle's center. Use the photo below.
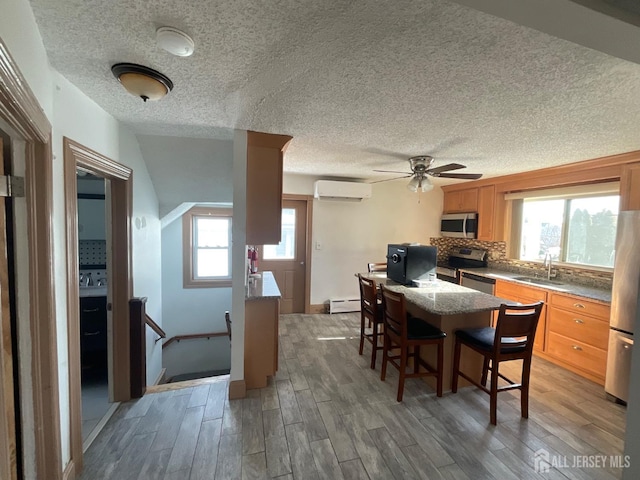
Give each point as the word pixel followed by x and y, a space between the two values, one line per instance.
pixel 343 191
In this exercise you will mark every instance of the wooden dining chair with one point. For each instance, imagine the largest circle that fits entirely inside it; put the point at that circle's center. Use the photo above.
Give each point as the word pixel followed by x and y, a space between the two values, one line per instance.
pixel 371 311
pixel 511 339
pixel 408 334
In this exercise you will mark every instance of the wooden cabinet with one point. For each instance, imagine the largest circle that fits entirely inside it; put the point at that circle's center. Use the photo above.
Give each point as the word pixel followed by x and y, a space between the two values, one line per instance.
pixel 578 334
pixel 461 201
pixel 486 212
pixel 264 187
pixel 630 187
pixel 524 294
pixel 260 340
pixel 93 332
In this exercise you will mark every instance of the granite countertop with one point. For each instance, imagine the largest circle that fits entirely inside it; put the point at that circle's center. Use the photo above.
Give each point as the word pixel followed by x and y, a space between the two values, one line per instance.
pixel 93 291
pixel 264 286
pixel 443 298
pixel 602 295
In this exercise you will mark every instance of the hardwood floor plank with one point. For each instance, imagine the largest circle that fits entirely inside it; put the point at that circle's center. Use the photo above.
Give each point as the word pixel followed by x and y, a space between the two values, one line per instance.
pixel 396 461
pixel 154 466
pixel 229 465
pixel 302 462
pixel 215 400
pixel 338 434
pixel 453 472
pixel 199 396
pixel 313 423
pixel 186 440
pixel 326 460
pixel 232 417
pixel 277 450
pixel 421 464
pixel 269 396
pixel 155 414
pixel 172 419
pixel 252 426
pixel 288 403
pixel 140 407
pixel 353 470
pixel 254 467
pixel 177 475
pixel 205 458
pixel 129 466
pixel 368 452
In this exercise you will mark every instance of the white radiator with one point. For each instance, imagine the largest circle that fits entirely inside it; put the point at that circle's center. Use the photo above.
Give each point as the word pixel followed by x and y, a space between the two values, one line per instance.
pixel 341 305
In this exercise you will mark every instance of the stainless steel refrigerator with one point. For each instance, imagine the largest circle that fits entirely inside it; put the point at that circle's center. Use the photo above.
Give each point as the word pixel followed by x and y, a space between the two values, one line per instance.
pixel 625 304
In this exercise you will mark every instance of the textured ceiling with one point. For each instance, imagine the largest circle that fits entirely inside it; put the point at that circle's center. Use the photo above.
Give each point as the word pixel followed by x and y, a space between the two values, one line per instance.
pixel 353 82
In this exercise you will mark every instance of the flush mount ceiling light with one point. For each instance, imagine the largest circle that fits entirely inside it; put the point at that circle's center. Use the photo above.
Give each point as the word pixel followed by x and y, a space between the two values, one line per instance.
pixel 142 81
pixel 174 41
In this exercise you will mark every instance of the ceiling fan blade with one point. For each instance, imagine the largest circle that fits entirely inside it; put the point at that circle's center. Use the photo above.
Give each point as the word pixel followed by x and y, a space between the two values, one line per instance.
pixel 446 168
pixel 463 176
pixel 389 179
pixel 392 171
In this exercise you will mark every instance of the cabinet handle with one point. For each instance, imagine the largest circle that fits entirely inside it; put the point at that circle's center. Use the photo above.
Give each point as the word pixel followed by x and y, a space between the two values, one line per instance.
pixel 576 347
pixel 91 334
pixel 578 320
pixel 578 305
pixel 90 310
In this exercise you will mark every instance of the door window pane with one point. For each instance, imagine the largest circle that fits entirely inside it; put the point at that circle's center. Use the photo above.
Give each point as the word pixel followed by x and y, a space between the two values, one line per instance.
pixel 541 229
pixel 286 249
pixel 591 236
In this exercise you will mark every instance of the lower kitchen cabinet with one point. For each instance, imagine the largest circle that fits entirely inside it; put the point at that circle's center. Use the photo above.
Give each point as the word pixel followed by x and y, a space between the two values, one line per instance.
pixel 260 341
pixel 523 294
pixel 578 335
pixel 93 333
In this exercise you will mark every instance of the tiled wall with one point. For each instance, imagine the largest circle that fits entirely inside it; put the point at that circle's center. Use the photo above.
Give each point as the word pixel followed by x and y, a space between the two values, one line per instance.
pixel 498 259
pixel 92 252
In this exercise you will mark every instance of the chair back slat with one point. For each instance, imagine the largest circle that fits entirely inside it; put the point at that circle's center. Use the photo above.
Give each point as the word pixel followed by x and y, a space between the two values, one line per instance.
pixel 519 322
pixel 394 312
pixel 368 298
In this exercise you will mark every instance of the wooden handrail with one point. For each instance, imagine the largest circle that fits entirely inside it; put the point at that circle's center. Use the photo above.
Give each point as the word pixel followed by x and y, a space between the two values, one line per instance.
pixel 155 327
pixel 193 336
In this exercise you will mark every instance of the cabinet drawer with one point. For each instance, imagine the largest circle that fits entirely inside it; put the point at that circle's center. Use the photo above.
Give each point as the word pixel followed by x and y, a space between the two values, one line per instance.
pixel 581 306
pixel 583 328
pixel 577 353
pixel 512 290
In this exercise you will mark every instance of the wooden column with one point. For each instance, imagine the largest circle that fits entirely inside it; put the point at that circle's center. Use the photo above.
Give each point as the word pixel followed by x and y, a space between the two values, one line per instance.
pixel 138 348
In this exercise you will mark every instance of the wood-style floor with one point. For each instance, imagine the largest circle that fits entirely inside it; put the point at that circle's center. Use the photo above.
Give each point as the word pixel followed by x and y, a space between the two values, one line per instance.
pixel 326 415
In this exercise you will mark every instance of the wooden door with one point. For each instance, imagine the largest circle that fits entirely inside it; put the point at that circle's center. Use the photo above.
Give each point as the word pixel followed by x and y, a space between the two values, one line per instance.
pixel 287 259
pixel 8 448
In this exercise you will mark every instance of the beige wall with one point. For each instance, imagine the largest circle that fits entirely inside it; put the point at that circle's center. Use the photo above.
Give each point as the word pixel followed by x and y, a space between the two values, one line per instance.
pixel 353 234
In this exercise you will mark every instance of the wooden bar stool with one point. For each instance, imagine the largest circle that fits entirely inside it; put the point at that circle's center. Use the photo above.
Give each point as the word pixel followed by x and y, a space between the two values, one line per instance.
pixel 404 332
pixel 370 310
pixel 511 339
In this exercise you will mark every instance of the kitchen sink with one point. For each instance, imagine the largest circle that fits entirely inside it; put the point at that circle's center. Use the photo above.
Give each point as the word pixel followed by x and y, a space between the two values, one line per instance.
pixel 538 281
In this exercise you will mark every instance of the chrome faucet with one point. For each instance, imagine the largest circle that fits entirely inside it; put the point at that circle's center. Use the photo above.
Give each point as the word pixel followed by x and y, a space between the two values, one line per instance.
pixel 548 260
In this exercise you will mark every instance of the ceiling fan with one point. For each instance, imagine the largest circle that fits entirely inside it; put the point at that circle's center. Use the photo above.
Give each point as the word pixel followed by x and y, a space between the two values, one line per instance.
pixel 421 169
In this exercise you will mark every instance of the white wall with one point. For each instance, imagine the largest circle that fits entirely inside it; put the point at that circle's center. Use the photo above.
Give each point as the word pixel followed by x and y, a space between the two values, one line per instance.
pixel 354 234
pixel 191 310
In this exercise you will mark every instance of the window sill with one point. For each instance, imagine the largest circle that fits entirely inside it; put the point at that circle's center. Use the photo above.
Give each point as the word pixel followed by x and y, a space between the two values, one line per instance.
pixel 207 283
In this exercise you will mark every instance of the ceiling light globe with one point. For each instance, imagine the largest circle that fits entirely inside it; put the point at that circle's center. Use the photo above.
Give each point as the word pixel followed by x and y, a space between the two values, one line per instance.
pixel 175 41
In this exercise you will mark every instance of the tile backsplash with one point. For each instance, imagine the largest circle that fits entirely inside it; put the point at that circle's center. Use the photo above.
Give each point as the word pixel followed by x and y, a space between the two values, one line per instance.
pixel 92 252
pixel 497 258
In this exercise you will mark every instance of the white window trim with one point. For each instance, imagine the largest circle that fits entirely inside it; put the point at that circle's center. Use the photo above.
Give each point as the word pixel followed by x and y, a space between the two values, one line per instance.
pixel 188 251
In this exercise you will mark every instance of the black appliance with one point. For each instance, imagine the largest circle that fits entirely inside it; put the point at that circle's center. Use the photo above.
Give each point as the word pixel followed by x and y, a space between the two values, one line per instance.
pixel 406 263
pixel 460 225
pixel 461 257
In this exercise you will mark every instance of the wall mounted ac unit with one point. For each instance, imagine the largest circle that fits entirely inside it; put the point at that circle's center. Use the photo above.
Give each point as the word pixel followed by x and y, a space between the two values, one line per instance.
pixel 345 191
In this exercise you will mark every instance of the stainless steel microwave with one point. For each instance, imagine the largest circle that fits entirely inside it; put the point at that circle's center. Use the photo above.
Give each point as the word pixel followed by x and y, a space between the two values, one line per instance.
pixel 459 225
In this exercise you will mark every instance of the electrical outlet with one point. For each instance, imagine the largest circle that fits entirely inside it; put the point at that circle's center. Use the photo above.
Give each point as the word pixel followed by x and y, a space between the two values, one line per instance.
pixel 318 245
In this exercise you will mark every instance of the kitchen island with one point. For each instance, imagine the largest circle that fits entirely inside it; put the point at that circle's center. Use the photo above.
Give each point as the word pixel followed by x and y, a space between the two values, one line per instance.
pixel 449 307
pixel 261 310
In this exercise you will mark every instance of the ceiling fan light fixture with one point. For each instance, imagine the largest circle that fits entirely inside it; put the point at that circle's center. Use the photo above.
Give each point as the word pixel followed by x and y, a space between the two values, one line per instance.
pixel 420 184
pixel 141 81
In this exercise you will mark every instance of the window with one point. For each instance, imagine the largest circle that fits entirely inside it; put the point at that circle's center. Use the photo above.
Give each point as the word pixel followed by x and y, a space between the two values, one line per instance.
pixel 578 227
pixel 286 249
pixel 207 247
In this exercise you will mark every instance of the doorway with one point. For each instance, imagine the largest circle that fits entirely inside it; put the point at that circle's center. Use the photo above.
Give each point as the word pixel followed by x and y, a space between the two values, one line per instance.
pixel 97 405
pixel 290 259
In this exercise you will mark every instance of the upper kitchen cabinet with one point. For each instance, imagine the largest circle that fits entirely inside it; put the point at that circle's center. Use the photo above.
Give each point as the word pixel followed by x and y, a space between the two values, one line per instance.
pixel 461 201
pixel 91 219
pixel 265 154
pixel 630 187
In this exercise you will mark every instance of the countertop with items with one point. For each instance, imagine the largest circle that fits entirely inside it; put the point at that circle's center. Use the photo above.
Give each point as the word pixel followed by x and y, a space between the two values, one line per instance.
pixel 442 298
pixel 262 285
pixel 602 295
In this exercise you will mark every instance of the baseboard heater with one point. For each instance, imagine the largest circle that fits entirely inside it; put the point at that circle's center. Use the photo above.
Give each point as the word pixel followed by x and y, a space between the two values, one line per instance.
pixel 342 305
